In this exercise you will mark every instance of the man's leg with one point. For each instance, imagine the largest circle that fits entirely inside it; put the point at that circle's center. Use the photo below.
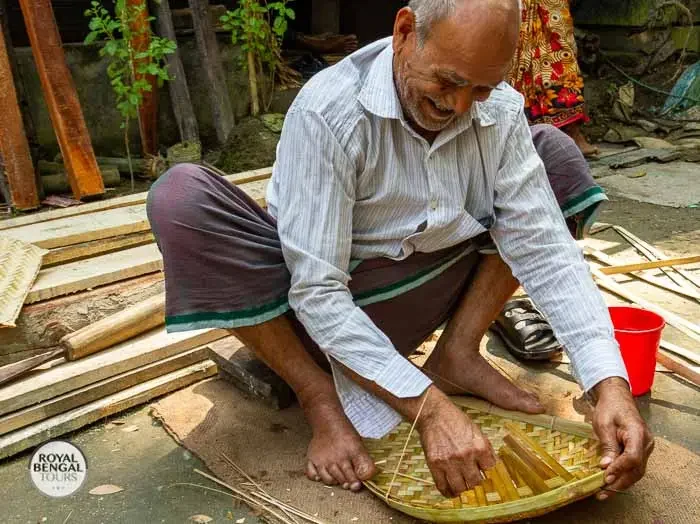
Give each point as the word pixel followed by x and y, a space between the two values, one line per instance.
pixel 455 364
pixel 336 454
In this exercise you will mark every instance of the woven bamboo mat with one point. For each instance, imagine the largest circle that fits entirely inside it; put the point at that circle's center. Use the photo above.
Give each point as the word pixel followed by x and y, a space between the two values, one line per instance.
pixel 19 265
pixel 213 417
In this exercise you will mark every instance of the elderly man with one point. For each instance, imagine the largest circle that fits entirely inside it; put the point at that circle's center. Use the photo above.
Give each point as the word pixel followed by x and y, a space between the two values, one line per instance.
pixel 392 167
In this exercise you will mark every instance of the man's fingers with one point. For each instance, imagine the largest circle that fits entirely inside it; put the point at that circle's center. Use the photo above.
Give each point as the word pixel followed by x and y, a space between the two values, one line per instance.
pixel 610 447
pixel 441 482
pixel 456 482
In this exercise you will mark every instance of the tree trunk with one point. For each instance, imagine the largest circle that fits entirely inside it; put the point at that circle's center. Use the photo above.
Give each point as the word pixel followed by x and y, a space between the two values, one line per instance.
pixel 209 53
pixel 253 82
pixel 62 99
pixel 179 92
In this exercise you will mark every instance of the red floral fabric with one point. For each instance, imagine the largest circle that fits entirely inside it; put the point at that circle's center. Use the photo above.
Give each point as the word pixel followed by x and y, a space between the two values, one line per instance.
pixel 544 68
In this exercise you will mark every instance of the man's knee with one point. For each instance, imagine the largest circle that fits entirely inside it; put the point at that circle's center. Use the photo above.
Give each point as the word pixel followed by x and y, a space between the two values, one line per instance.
pixel 176 196
pixel 548 136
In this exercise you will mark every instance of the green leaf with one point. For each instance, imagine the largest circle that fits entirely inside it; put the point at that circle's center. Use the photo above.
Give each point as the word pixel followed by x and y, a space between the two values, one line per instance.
pixel 90 38
pixel 291 14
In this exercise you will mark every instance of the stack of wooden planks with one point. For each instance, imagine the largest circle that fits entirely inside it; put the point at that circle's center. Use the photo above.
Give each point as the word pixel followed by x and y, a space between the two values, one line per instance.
pixel 101 262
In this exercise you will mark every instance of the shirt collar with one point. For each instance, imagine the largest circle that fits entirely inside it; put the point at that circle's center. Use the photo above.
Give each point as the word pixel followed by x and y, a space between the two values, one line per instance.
pixel 378 94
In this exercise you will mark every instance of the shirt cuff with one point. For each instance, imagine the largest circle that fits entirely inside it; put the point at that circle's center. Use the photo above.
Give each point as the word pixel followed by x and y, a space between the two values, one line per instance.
pixel 401 378
pixel 598 361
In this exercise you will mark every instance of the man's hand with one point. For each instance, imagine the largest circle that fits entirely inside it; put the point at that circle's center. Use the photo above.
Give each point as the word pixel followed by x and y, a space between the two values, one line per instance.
pixel 455 448
pixel 625 437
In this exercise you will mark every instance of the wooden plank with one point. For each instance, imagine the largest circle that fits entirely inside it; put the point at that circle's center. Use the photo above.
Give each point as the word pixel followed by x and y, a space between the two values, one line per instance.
pixel 74 230
pixel 681 352
pixel 238 365
pixel 81 396
pixel 208 48
pixel 148 110
pixel 62 99
pixel 13 139
pixel 113 203
pixel 53 427
pixel 140 351
pixel 179 92
pixel 41 326
pixel 680 368
pixel 63 255
pixel 92 272
pixel 642 266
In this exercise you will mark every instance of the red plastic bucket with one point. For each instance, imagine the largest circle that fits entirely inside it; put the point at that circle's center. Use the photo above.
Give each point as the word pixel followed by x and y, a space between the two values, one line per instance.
pixel 638 332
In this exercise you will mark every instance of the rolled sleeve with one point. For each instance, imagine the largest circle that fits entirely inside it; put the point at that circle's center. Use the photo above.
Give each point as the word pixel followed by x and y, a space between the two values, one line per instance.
pixel 533 240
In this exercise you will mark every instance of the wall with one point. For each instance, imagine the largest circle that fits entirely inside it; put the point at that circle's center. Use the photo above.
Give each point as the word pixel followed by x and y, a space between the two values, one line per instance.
pixel 97 98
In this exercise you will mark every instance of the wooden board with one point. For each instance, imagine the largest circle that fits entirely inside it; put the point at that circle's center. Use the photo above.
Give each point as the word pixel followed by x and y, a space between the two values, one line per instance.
pixel 179 92
pixel 74 230
pixel 140 351
pixel 41 325
pixel 113 203
pixel 63 255
pixel 62 99
pixel 13 139
pixel 239 365
pixel 92 272
pixel 103 388
pixel 208 49
pixel 53 427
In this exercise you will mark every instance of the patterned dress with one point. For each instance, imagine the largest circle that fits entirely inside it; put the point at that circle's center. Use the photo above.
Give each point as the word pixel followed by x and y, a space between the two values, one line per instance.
pixel 544 68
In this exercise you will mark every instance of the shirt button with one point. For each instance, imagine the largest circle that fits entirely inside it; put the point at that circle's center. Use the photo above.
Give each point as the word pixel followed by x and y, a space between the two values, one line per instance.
pixel 433 204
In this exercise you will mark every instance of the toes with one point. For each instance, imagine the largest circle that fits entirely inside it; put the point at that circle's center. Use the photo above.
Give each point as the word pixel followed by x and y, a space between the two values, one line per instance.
pixel 337 474
pixel 326 477
pixel 364 466
pixel 531 404
pixel 312 472
pixel 353 482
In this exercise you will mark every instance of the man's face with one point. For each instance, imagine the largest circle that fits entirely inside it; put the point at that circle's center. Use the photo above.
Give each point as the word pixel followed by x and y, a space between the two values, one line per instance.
pixel 459 62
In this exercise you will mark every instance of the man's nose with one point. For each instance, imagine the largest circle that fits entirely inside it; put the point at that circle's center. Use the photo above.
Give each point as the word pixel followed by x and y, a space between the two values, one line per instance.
pixel 463 98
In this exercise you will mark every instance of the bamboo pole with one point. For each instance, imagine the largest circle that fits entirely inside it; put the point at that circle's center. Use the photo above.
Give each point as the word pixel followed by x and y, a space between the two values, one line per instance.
pixel 62 99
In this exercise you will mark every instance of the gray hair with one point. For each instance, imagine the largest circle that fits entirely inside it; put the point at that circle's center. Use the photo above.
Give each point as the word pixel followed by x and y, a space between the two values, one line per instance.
pixel 428 12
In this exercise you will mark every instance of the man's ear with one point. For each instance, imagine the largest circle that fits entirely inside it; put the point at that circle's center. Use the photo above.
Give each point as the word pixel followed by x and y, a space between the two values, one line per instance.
pixel 404 28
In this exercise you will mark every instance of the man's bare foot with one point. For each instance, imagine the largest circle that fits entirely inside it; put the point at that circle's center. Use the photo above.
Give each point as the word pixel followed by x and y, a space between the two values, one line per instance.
pixel 336 455
pixel 574 131
pixel 470 373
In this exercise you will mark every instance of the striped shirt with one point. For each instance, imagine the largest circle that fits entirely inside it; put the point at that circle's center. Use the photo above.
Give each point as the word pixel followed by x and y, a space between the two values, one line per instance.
pixel 353 180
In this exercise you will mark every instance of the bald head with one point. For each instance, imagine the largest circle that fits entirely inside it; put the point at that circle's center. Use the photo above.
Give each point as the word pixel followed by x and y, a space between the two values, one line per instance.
pixel 428 12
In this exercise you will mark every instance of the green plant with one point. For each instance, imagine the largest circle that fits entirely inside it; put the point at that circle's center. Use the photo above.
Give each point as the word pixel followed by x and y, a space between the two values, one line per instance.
pixel 129 67
pixel 259 28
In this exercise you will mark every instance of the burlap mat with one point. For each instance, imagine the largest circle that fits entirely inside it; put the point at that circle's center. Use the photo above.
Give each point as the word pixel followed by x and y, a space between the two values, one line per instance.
pixel 212 417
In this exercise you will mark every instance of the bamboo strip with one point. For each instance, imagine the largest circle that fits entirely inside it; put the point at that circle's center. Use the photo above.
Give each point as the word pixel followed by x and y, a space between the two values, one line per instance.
pixel 654 281
pixel 532 479
pixel 653 264
pixel 480 495
pixel 512 493
pixel 652 252
pixel 691 373
pixel 546 457
pixel 499 483
pixel 683 325
pixel 529 457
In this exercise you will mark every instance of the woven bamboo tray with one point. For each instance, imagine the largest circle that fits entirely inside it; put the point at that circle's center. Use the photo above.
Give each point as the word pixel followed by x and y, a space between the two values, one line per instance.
pixel 505 495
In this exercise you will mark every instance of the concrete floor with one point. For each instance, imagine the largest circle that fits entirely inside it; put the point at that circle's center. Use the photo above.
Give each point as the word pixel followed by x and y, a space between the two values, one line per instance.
pixel 147 462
